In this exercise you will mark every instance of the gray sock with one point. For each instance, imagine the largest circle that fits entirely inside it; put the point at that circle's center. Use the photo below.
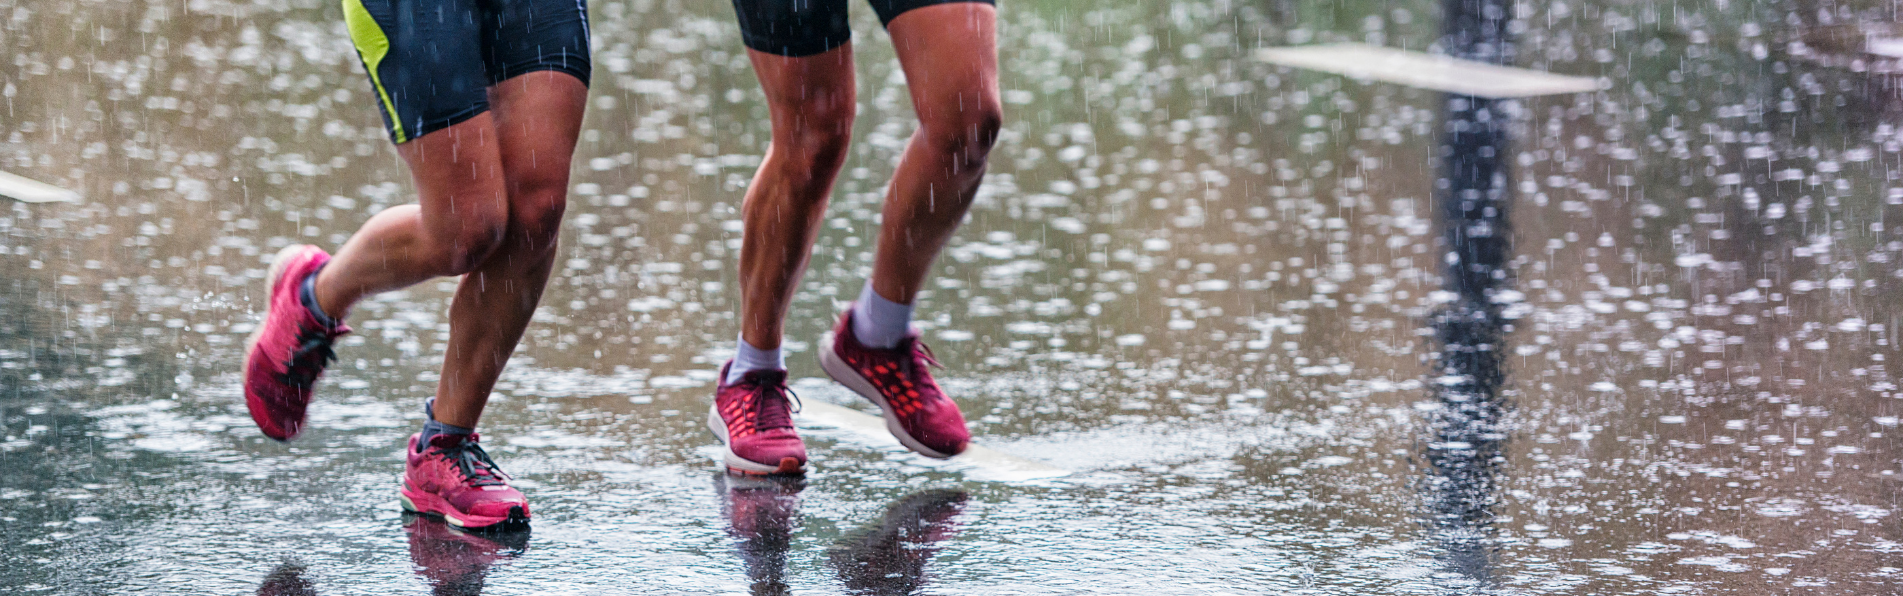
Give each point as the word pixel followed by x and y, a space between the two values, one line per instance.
pixel 748 358
pixel 879 323
pixel 433 428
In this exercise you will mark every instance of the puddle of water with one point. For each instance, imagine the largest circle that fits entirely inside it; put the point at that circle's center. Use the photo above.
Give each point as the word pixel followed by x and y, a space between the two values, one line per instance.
pixel 1233 300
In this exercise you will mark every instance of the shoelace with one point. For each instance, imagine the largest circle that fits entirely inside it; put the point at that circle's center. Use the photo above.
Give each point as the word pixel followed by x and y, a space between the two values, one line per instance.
pixel 923 353
pixel 920 356
pixel 474 463
pixel 312 355
pixel 779 417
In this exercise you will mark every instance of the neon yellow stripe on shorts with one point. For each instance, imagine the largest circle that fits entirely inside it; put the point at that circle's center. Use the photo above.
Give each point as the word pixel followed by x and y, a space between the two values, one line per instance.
pixel 372 46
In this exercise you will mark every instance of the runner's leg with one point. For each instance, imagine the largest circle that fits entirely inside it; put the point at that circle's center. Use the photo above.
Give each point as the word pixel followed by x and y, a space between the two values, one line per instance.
pixel 800 53
pixel 461 214
pixel 811 99
pixel 949 53
pixel 535 55
pixel 537 119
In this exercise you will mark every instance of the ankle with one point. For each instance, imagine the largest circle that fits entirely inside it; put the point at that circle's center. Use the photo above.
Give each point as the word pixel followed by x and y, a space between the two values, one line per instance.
pixel 307 294
pixel 432 427
pixel 748 358
pixel 877 322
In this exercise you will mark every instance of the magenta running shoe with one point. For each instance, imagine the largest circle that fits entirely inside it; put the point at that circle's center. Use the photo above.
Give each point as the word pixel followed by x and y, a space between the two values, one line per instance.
pixel 454 478
pixel 290 348
pixel 755 421
pixel 916 410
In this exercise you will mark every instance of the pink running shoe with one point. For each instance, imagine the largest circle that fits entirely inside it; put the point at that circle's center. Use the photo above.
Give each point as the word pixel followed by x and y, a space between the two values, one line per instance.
pixel 916 410
pixel 454 478
pixel 290 348
pixel 753 419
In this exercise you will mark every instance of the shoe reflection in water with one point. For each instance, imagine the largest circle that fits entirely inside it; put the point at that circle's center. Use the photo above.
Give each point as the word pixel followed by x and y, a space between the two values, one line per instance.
pixel 888 558
pixel 456 562
pixel 762 512
pixel 287 580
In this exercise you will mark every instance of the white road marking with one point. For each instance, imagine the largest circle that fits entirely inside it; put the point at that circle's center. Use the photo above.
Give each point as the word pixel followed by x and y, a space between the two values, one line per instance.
pixel 977 462
pixel 1886 47
pixel 1426 71
pixel 33 191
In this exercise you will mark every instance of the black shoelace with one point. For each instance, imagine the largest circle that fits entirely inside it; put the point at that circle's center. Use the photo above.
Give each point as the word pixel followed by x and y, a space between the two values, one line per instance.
pixel 474 463
pixel 312 355
pixel 918 357
pixel 774 417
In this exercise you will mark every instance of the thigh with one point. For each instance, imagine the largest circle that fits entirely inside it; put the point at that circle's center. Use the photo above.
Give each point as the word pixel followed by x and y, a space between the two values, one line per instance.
pixel 793 28
pixel 524 36
pixel 949 52
pixel 538 117
pixel 891 9
pixel 424 61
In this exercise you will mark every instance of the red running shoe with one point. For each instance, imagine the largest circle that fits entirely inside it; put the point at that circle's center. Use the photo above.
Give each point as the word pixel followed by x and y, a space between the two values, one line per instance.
pixel 290 348
pixel 916 410
pixel 753 419
pixel 452 477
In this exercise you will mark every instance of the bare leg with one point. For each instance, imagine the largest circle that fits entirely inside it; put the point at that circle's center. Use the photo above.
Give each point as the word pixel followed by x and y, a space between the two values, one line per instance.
pixel 538 117
pixel 461 213
pixel 950 56
pixel 518 153
pixel 812 103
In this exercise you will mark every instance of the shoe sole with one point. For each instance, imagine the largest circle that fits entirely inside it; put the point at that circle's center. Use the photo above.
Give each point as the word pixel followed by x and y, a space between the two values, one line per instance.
pixel 428 504
pixel 278 264
pixel 789 466
pixel 843 374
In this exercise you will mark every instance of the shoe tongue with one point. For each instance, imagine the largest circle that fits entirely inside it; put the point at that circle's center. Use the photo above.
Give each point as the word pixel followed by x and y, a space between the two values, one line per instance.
pixel 765 377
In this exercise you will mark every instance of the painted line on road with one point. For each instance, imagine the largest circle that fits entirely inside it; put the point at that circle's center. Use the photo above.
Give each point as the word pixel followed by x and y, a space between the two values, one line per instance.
pixel 1884 47
pixel 977 461
pixel 27 190
pixel 1426 71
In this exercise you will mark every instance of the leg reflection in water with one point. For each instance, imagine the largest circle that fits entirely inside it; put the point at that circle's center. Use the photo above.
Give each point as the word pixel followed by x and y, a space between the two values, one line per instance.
pixel 455 562
pixel 287 580
pixel 1466 439
pixel 888 558
pixel 762 512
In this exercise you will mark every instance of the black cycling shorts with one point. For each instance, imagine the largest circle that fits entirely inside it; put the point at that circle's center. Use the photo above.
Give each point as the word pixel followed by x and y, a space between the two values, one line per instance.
pixel 807 27
pixel 431 62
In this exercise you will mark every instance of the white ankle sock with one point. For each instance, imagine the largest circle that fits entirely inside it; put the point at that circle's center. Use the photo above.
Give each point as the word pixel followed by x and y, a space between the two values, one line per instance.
pixel 749 358
pixel 877 322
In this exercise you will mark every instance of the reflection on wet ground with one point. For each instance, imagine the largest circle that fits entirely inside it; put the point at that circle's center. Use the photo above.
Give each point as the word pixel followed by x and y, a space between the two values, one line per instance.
pixel 762 514
pixel 454 562
pixel 286 580
pixel 1289 331
pixel 1466 436
pixel 888 557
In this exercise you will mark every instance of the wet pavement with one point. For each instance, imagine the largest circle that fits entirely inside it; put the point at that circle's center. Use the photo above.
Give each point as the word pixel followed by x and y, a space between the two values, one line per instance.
pixel 1288 331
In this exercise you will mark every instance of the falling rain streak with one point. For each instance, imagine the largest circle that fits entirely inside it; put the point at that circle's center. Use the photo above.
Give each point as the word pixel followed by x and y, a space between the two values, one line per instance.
pixel 1281 329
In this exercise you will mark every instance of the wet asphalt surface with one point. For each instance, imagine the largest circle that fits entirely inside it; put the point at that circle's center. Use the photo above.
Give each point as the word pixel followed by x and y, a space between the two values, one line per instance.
pixel 1290 332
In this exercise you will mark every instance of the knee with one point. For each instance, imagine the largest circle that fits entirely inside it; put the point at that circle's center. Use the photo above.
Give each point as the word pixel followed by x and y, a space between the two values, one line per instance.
pixel 967 131
pixel 535 222
pixel 478 237
pixel 816 141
